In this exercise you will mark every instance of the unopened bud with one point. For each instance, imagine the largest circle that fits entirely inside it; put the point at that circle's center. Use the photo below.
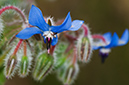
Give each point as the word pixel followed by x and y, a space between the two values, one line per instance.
pixel 10 66
pixel 43 66
pixel 84 49
pixel 68 74
pixel 60 55
pixel 60 61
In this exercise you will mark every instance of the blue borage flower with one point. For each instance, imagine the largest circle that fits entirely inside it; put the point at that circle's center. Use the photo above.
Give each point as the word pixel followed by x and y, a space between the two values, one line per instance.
pixel 122 41
pixel 112 41
pixel 105 48
pixel 48 31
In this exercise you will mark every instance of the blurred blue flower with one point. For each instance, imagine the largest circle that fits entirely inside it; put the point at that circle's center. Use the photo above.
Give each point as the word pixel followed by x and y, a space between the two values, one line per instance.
pixel 48 31
pixel 105 47
pixel 122 41
pixel 112 41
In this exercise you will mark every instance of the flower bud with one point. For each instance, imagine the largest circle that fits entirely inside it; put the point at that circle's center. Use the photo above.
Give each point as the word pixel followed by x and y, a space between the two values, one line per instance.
pixel 24 66
pixel 84 49
pixel 11 60
pixel 60 55
pixel 43 66
pixel 68 73
pixel 60 61
pixel 10 66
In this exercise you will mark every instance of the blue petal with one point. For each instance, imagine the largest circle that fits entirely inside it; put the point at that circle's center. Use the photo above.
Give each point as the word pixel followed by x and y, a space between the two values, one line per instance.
pixel 64 26
pixel 28 32
pixel 36 18
pixel 114 41
pixel 107 37
pixel 54 41
pixel 124 39
pixel 76 24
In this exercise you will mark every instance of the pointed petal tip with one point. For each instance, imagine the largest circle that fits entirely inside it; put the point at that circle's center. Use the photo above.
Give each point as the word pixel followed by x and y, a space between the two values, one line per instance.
pixel 126 29
pixel 81 21
pixel 36 18
pixel 33 6
pixel 126 32
pixel 76 24
pixel 64 26
pixel 69 12
pixel 114 41
pixel 124 38
pixel 115 35
pixel 68 15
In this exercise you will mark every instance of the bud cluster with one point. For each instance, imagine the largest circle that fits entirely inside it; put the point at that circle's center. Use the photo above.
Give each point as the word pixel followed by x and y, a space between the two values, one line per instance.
pixel 51 48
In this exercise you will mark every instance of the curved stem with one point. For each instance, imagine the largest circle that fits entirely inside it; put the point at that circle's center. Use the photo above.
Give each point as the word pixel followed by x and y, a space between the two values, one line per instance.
pixel 85 27
pixel 70 46
pixel 16 9
pixel 70 37
pixel 99 37
pixel 25 48
pixel 17 47
pixel 52 49
pixel 75 56
pixel 28 43
pixel 12 39
pixel 14 22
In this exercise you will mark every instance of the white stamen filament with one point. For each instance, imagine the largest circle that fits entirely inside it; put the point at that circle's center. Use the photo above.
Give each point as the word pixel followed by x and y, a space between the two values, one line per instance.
pixel 48 34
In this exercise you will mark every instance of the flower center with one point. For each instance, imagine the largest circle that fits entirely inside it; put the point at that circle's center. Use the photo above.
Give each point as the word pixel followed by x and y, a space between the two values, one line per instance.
pixel 48 37
pixel 49 34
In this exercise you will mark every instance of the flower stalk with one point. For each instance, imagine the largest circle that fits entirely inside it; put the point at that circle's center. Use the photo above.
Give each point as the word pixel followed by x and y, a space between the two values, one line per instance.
pixel 85 29
pixel 16 9
pixel 74 56
pixel 17 47
pixel 25 49
pixel 99 37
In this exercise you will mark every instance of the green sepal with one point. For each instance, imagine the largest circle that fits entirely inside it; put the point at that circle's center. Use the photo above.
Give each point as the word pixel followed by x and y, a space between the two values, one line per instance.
pixel 43 66
pixel 24 66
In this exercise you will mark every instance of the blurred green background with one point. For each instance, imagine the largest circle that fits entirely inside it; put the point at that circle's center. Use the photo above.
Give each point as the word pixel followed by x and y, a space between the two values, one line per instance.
pixel 101 16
